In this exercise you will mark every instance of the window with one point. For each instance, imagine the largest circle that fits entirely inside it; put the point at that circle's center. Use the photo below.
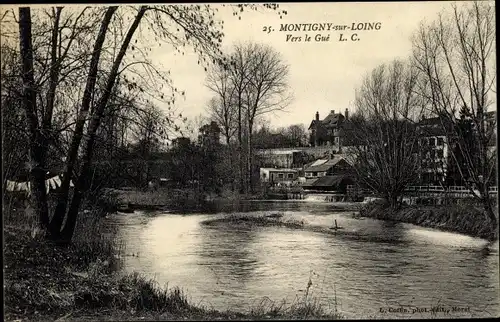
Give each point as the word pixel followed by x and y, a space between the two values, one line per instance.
pixel 440 141
pixel 440 153
pixel 433 154
pixel 281 175
pixel 432 141
pixel 315 174
pixel 290 176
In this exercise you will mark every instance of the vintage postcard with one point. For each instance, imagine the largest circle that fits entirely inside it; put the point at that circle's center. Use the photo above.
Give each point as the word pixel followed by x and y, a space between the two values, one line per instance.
pixel 239 161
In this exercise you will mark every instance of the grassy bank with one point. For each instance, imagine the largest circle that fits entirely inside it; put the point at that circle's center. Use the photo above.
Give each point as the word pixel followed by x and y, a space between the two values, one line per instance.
pixel 78 282
pixel 465 219
pixel 272 219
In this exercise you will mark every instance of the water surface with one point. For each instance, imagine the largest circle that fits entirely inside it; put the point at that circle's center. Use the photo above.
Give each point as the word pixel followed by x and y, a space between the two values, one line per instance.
pixel 369 267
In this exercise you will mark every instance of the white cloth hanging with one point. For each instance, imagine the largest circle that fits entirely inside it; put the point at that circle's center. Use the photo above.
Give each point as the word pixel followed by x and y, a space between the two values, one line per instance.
pixel 57 181
pixel 50 184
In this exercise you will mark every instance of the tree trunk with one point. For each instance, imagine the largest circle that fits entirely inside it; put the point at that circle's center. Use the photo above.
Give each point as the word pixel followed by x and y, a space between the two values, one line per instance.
pixel 230 157
pixel 240 153
pixel 490 214
pixel 249 157
pixel 392 198
pixel 82 184
pixel 60 211
pixel 37 173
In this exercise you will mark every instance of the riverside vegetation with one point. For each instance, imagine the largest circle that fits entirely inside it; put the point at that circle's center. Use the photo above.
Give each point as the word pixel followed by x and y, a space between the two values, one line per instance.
pixel 79 281
pixel 461 218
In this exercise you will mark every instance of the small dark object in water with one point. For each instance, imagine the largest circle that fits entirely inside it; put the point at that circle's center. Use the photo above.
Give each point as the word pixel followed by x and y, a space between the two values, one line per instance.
pixel 336 227
pixel 275 216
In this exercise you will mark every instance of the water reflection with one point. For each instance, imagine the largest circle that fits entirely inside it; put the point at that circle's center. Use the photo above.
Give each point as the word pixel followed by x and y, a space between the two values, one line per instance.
pixel 367 265
pixel 232 258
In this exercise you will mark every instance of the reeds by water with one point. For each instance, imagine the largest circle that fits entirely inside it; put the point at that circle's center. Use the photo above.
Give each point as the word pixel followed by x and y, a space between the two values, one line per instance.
pixel 79 282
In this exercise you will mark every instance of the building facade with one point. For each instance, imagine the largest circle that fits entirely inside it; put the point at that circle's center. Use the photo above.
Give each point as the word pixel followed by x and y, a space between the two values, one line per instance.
pixel 328 131
pixel 279 175
pixel 434 151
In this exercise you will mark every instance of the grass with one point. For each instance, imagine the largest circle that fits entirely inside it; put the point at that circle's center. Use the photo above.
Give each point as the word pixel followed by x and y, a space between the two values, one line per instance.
pixel 79 282
pixel 303 307
pixel 463 218
pixel 250 221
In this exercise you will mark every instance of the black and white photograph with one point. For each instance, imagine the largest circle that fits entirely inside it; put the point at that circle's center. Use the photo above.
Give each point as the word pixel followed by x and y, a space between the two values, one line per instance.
pixel 249 161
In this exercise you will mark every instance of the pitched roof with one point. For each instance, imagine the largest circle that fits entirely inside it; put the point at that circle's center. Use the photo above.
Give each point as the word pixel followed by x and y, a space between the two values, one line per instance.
pixel 327 181
pixel 309 182
pixel 433 131
pixel 318 166
pixel 430 121
pixel 331 119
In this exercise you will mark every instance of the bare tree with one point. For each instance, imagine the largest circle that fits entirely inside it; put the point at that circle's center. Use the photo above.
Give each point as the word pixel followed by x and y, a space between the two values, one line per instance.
pixel 222 107
pixel 250 83
pixel 456 55
pixel 268 89
pixel 297 134
pixel 101 65
pixel 30 107
pixel 387 107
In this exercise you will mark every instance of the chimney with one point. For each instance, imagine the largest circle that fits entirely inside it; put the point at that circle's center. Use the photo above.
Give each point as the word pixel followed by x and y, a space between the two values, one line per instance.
pixel 317 116
pixel 332 111
pixel 347 114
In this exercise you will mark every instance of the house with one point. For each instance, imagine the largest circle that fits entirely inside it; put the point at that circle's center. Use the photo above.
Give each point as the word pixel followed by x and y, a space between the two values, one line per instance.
pixel 279 175
pixel 434 150
pixel 438 143
pixel 323 167
pixel 328 131
pixel 333 174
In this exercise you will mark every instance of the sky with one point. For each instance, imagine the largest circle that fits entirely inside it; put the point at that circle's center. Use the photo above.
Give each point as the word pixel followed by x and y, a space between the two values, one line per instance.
pixel 323 75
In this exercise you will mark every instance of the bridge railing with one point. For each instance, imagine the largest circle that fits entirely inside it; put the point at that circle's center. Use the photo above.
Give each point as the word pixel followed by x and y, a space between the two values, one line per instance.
pixel 430 189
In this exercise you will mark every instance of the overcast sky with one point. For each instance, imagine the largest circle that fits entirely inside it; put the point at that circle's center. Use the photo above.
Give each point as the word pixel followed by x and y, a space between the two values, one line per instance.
pixel 323 75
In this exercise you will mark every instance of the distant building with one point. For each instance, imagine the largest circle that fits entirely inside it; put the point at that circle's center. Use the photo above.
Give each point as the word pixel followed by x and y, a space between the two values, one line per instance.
pixel 328 131
pixel 434 150
pixel 333 174
pixel 286 158
pixel 437 142
pixel 181 141
pixel 277 175
pixel 209 134
pixel 324 167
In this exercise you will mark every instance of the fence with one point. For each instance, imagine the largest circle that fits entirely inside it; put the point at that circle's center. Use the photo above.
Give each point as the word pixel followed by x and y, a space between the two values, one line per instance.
pixel 459 191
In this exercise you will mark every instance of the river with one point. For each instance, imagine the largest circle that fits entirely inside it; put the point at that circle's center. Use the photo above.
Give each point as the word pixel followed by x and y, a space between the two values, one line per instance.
pixel 370 269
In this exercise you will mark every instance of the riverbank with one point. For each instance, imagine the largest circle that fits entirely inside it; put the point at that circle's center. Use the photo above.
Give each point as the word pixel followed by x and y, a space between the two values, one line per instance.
pixel 164 199
pixel 465 219
pixel 189 200
pixel 79 282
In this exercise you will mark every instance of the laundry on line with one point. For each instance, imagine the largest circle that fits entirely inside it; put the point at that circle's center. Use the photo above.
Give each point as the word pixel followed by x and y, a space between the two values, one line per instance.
pixel 51 183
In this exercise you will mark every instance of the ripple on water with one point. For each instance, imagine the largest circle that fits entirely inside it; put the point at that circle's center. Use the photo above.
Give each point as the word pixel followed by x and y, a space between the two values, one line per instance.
pixel 370 265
